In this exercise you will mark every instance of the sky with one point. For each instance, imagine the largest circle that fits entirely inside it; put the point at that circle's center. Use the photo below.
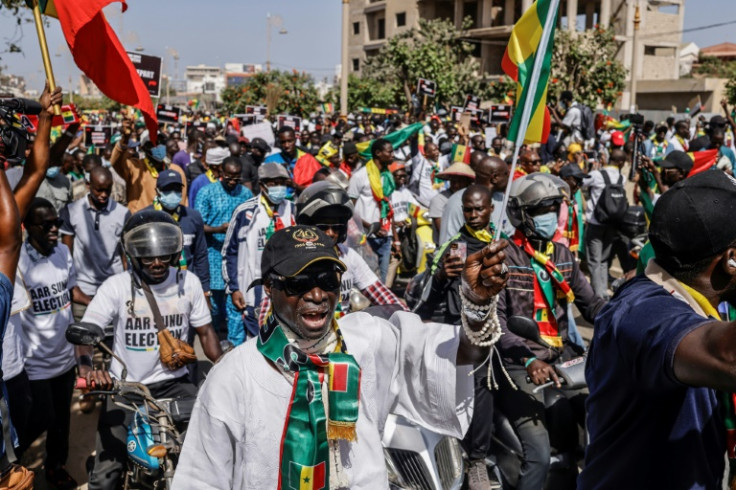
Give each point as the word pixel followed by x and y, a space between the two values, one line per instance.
pixel 222 31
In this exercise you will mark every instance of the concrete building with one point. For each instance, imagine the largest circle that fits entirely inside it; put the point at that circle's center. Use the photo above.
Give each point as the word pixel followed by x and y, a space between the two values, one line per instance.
pixel 689 54
pixel 374 21
pixel 722 51
pixel 208 80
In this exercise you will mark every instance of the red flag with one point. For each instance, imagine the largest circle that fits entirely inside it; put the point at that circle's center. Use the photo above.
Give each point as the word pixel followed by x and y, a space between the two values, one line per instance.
pixel 99 54
pixel 702 160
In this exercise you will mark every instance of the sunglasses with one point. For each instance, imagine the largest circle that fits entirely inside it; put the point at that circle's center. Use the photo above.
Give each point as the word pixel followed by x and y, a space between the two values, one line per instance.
pixel 148 261
pixel 336 227
pixel 302 283
pixel 47 225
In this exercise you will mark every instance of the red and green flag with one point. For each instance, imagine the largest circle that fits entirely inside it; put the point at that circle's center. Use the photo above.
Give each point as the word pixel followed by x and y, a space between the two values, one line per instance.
pixel 460 153
pixel 702 160
pixel 531 37
pixel 97 51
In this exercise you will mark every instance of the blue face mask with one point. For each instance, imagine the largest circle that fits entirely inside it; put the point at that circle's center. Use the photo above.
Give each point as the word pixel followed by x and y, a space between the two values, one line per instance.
pixel 277 194
pixel 52 172
pixel 170 200
pixel 158 153
pixel 546 225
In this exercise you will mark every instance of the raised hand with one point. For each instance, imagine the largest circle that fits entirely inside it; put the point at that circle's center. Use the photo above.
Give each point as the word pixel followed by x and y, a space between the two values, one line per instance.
pixel 49 99
pixel 485 274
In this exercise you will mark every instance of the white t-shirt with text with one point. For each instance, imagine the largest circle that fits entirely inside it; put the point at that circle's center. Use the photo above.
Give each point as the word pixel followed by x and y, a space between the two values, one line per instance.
pixel 182 304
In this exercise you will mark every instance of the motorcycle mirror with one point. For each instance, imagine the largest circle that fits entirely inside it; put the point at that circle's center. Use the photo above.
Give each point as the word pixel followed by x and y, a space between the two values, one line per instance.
pixel 524 327
pixel 84 334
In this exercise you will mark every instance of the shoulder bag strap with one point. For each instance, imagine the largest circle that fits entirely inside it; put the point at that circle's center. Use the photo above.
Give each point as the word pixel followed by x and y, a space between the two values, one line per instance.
pixel 157 319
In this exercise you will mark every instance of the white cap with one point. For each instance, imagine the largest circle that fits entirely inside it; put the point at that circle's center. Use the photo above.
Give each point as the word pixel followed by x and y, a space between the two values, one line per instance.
pixel 216 155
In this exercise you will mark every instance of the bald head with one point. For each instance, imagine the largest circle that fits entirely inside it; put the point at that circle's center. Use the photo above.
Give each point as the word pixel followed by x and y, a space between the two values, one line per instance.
pixel 100 176
pixel 499 174
pixel 476 157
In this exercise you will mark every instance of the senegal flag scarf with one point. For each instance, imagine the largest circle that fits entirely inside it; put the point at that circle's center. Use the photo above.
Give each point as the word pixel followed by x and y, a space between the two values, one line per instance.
pixel 547 277
pixel 382 185
pixel 305 450
pixel 276 223
pixel 574 228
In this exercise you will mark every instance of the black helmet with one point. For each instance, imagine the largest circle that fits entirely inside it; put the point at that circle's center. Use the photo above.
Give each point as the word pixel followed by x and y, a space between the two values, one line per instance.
pixel 530 192
pixel 323 199
pixel 151 233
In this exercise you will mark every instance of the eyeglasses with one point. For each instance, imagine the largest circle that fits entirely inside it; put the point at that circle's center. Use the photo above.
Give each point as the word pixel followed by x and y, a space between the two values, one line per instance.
pixel 336 227
pixel 148 261
pixel 230 178
pixel 300 284
pixel 53 223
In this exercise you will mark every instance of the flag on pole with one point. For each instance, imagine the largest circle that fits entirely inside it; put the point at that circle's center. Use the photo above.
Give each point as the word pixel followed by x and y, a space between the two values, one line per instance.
pixel 99 54
pixel 518 62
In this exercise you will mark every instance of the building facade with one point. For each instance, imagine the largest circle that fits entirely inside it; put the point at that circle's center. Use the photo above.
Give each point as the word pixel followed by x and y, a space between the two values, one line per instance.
pixel 372 22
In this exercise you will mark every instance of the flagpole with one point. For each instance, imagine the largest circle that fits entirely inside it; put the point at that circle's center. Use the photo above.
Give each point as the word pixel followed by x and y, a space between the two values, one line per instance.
pixel 526 113
pixel 45 52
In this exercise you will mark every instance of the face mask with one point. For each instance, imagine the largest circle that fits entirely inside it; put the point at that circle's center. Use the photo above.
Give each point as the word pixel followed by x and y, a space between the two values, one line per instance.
pixel 277 194
pixel 546 225
pixel 52 172
pixel 170 200
pixel 158 153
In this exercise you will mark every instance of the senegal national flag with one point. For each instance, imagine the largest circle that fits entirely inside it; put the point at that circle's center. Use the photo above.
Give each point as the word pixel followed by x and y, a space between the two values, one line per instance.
pixel 460 153
pixel 702 161
pixel 307 477
pixel 397 139
pixel 525 45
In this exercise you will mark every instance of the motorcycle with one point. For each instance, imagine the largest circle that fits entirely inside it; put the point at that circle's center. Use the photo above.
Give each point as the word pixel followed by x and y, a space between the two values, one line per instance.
pixel 506 455
pixel 154 437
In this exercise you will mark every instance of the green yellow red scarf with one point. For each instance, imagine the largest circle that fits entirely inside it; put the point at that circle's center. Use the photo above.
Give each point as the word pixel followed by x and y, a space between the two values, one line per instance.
pixel 382 185
pixel 574 229
pixel 305 450
pixel 547 278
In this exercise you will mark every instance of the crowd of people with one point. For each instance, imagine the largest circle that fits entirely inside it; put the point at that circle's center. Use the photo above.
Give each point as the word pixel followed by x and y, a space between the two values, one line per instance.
pixel 209 235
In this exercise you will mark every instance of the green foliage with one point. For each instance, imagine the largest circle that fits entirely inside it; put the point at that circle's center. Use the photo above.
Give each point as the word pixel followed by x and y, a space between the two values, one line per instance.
pixel 502 90
pixel 90 103
pixel 433 50
pixel 584 63
pixel 715 67
pixel 283 92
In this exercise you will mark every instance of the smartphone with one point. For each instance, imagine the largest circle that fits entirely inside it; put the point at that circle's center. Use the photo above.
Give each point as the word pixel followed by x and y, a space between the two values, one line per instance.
pixel 459 249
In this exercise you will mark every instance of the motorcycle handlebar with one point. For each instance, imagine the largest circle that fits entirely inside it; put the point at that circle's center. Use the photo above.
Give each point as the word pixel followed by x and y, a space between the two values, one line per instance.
pixel 570 373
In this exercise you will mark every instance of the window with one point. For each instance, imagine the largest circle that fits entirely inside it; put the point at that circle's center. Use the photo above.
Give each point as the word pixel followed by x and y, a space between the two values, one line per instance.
pixel 209 86
pixel 381 29
pixel 401 19
pixel 356 28
pixel 356 64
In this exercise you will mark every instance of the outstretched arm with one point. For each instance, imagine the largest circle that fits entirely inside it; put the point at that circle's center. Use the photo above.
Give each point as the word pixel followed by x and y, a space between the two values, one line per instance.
pixel 10 238
pixel 34 170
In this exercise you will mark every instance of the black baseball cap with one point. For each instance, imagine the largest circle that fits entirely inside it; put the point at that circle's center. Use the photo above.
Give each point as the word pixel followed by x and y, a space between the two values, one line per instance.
pixel 291 250
pixel 572 170
pixel 693 220
pixel 677 159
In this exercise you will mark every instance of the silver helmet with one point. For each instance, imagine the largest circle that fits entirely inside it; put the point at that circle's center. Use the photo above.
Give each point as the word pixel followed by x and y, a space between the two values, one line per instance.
pixel 530 192
pixel 151 233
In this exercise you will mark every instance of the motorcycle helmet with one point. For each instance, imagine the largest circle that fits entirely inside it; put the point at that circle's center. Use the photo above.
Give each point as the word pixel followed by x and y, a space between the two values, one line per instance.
pixel 151 233
pixel 529 193
pixel 324 199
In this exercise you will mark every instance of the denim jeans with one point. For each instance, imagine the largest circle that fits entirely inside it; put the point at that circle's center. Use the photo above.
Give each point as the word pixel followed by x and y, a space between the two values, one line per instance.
pixel 382 247
pixel 599 241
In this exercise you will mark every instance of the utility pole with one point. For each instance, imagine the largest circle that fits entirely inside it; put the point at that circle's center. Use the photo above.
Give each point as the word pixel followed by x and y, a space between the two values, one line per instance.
pixel 635 51
pixel 344 68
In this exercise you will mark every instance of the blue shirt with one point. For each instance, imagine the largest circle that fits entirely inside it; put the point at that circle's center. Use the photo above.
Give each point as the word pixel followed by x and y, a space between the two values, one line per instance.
pixel 648 430
pixel 216 205
pixel 197 185
pixel 6 301
pixel 195 245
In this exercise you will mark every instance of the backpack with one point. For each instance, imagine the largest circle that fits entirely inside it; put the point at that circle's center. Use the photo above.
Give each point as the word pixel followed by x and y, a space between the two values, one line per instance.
pixel 587 123
pixel 612 204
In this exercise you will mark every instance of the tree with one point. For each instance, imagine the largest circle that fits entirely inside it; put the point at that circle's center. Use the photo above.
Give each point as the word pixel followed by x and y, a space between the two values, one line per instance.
pixel 23 15
pixel 283 92
pixel 584 63
pixel 434 50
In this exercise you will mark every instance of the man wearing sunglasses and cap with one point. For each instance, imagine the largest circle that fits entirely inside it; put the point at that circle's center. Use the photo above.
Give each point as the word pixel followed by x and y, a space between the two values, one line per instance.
pixel 304 405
